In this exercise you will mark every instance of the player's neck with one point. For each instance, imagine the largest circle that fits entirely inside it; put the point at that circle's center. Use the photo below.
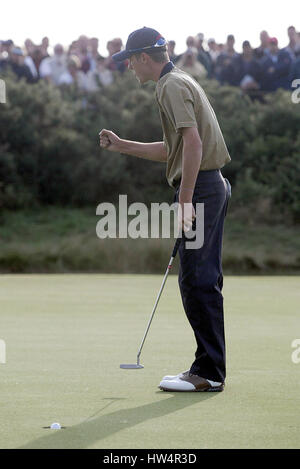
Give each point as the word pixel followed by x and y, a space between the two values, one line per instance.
pixel 157 70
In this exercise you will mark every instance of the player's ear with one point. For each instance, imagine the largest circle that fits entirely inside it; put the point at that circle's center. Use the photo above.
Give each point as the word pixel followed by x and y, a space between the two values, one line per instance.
pixel 144 58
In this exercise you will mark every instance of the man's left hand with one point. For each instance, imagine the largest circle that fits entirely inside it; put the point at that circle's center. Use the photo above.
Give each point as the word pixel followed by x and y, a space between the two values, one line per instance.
pixel 186 216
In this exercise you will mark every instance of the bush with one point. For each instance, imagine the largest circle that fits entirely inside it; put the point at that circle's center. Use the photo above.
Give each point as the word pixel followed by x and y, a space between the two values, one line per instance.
pixel 50 154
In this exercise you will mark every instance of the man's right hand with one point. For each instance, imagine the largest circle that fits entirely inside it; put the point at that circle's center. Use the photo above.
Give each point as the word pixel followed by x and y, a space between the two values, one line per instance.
pixel 155 151
pixel 109 140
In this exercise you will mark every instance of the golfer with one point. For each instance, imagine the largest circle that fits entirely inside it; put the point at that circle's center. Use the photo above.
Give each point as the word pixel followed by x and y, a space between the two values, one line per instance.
pixel 194 151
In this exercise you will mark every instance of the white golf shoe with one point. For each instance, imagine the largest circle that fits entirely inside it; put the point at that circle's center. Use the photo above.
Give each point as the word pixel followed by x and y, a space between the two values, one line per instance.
pixel 169 377
pixel 191 383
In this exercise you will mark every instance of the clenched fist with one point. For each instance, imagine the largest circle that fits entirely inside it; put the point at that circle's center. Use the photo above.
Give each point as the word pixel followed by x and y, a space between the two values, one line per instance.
pixel 109 140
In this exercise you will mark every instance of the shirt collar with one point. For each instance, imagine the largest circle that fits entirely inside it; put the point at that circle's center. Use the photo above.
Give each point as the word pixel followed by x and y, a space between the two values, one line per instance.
pixel 167 68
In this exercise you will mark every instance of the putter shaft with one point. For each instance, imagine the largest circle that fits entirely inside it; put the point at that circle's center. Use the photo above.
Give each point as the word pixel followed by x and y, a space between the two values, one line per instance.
pixel 156 303
pixel 175 249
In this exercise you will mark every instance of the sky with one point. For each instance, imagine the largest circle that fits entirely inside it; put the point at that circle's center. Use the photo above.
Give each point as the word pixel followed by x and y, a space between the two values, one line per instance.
pixel 64 20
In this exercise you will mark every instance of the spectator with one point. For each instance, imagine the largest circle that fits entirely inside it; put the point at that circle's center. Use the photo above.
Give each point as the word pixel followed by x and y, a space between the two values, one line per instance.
pixel 37 58
pixel 263 49
pixel 293 42
pixel 44 47
pixel 213 49
pixel 171 51
pixel 79 74
pixel 31 65
pixel 230 50
pixel 214 53
pixel 203 56
pixel 6 47
pixel 70 75
pixel 86 77
pixel 189 64
pixel 29 46
pixel 113 47
pixel 224 69
pixel 52 68
pixel 85 59
pixel 295 70
pixel 81 48
pixel 93 53
pixel 103 74
pixel 2 57
pixel 28 60
pixel 276 68
pixel 17 65
pixel 35 55
pixel 85 65
pixel 190 42
pixel 110 49
pixel 247 69
pixel 73 48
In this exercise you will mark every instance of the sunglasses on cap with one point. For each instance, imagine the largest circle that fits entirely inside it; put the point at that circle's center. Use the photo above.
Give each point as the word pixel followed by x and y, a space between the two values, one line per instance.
pixel 160 43
pixel 125 54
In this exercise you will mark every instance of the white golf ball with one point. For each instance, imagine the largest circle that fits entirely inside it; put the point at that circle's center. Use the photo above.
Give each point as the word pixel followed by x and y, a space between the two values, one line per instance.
pixel 55 426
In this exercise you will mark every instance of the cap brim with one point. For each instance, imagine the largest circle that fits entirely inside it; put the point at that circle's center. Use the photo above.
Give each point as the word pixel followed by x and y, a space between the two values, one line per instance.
pixel 120 56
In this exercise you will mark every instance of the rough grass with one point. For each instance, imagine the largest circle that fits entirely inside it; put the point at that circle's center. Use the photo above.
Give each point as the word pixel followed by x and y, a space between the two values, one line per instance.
pixel 64 240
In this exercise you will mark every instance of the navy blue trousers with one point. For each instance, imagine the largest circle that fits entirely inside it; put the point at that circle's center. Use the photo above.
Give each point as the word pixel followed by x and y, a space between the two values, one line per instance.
pixel 201 279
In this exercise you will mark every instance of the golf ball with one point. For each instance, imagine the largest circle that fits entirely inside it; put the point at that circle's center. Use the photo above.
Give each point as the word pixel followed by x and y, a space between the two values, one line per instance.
pixel 55 426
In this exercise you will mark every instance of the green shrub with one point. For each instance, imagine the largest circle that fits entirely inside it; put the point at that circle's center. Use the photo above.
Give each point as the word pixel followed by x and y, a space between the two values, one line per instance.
pixel 50 154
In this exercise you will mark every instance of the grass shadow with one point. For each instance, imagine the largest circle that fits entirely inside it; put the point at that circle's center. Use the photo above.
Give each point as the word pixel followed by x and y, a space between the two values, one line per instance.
pixel 92 430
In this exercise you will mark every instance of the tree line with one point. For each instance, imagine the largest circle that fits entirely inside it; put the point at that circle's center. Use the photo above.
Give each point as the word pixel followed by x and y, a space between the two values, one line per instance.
pixel 50 154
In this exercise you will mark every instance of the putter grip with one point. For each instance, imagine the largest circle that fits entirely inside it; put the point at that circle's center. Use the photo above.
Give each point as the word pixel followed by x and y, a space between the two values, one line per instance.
pixel 178 241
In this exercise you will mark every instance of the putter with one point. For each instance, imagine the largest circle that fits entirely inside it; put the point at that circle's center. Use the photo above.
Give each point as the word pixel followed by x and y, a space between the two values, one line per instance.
pixel 137 365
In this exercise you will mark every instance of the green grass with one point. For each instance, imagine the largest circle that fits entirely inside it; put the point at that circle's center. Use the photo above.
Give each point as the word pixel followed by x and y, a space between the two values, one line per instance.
pixel 58 240
pixel 67 334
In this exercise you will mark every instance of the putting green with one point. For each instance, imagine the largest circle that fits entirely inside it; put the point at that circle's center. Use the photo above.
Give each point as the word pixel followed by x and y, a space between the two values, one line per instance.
pixel 66 336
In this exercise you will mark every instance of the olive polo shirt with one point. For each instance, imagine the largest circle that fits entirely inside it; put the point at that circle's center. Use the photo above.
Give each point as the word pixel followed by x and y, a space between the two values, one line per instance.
pixel 183 103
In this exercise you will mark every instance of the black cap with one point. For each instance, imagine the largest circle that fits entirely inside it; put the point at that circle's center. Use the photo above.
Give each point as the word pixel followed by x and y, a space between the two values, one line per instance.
pixel 144 39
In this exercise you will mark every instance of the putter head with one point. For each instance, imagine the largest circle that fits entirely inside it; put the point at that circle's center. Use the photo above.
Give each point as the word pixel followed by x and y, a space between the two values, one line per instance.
pixel 133 366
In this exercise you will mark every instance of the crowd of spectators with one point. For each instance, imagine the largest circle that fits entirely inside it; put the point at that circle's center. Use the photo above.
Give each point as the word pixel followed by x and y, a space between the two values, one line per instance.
pixel 262 69
pixel 255 70
pixel 81 63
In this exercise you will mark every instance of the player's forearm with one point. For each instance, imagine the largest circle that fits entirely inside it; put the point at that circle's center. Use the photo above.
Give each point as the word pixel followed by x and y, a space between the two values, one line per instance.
pixel 150 151
pixel 191 161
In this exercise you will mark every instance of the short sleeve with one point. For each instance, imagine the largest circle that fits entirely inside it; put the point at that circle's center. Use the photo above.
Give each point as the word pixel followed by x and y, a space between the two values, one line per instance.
pixel 178 104
pixel 45 69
